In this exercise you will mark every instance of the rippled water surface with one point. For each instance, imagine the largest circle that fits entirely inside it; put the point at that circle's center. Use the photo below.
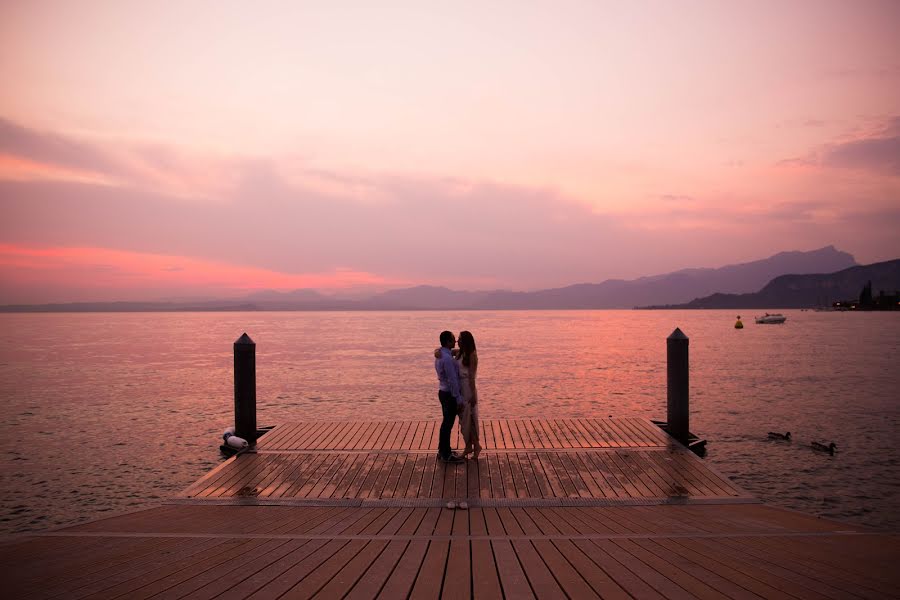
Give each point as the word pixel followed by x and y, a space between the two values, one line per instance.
pixel 108 412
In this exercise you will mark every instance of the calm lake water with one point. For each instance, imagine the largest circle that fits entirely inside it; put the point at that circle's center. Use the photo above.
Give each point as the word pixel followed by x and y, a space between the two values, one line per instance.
pixel 108 412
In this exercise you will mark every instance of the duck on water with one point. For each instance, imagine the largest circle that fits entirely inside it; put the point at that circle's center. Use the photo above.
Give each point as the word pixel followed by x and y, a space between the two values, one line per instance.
pixel 830 448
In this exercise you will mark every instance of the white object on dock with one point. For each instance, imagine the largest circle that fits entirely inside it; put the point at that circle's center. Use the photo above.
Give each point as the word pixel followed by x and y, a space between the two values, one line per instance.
pixel 233 440
pixel 236 442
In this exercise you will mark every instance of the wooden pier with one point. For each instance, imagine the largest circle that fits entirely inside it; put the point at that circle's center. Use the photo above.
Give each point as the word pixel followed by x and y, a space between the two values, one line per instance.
pixel 578 508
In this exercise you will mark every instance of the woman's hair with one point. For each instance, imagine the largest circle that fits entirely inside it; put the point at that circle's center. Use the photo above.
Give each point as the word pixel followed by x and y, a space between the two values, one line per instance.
pixel 466 346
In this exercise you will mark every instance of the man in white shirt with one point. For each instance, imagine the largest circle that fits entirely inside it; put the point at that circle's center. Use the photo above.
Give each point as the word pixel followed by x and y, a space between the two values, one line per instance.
pixel 448 394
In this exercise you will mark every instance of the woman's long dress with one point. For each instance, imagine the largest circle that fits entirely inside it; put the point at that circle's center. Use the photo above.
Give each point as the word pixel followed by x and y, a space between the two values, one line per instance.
pixel 468 421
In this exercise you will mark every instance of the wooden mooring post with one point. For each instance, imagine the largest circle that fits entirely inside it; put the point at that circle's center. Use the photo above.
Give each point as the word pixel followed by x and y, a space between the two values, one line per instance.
pixel 245 388
pixel 678 405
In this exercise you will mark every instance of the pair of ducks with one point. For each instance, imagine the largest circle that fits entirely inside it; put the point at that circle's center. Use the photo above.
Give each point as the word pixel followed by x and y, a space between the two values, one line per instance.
pixel 830 448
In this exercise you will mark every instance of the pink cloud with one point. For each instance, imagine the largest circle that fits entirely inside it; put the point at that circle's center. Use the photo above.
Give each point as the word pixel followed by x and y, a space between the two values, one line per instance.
pixel 29 154
pixel 881 155
pixel 290 225
pixel 18 168
pixel 877 152
pixel 59 151
pixel 307 219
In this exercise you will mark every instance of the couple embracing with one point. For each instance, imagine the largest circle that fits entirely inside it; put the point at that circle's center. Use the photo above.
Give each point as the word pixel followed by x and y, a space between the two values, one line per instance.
pixel 456 370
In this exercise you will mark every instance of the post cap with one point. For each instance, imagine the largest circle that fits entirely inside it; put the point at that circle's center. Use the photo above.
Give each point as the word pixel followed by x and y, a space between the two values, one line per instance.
pixel 245 339
pixel 677 335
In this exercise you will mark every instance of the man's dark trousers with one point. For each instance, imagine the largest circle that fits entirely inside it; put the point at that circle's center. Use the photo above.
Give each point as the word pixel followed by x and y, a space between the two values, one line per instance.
pixel 448 407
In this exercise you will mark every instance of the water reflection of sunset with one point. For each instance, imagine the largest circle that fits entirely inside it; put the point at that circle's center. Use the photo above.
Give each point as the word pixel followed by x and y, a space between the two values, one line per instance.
pixel 122 378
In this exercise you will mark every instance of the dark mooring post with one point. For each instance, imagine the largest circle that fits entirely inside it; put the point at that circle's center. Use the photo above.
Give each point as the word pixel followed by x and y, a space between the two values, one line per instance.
pixel 245 388
pixel 677 393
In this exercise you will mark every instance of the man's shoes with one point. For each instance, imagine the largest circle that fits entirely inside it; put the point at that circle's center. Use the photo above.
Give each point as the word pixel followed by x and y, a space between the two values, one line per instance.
pixel 453 458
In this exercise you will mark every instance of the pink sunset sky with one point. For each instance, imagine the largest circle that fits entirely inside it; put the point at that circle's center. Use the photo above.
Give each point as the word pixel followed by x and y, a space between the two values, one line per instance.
pixel 191 149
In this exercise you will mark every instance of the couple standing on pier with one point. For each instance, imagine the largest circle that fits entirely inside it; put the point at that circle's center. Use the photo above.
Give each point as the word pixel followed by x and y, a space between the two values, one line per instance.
pixel 456 370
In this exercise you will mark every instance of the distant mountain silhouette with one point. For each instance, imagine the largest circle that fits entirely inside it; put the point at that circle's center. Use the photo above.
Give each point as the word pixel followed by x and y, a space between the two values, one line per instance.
pixel 799 291
pixel 295 300
pixel 670 288
pixel 422 297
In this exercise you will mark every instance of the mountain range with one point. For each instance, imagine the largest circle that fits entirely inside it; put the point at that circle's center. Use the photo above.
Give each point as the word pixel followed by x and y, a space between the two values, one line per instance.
pixel 676 288
pixel 670 288
pixel 798 291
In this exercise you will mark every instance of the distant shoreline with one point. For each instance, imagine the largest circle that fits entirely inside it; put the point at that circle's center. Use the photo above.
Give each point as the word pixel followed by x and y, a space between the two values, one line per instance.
pixel 669 292
pixel 40 310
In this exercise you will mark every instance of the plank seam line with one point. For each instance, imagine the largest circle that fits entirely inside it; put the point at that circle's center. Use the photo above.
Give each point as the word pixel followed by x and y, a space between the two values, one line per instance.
pixel 447 537
pixel 485 453
pixel 566 420
pixel 473 502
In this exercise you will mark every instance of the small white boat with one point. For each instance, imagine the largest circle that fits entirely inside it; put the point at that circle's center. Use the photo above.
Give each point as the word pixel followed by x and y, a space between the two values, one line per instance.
pixel 768 319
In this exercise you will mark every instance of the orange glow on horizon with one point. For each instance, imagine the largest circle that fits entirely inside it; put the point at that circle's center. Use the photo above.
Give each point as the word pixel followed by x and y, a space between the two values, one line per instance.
pixel 102 269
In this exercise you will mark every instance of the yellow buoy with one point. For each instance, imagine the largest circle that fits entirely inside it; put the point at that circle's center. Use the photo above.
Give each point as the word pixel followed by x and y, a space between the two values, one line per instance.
pixel 739 325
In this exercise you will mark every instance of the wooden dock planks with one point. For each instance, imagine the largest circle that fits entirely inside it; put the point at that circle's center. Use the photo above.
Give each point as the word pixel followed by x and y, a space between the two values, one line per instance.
pixel 325 475
pixel 585 459
pixel 578 508
pixel 500 434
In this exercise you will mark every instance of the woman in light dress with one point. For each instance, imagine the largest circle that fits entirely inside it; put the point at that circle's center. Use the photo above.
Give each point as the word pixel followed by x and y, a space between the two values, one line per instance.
pixel 468 369
pixel 467 359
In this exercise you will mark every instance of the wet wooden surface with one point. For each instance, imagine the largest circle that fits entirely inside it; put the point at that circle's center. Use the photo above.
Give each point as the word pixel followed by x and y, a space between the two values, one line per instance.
pixel 576 508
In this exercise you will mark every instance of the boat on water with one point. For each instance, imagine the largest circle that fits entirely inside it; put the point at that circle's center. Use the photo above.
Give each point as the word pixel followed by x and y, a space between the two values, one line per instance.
pixel 773 319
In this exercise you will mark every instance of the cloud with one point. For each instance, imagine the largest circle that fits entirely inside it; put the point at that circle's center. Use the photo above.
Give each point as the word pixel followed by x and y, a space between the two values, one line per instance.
pixel 885 72
pixel 877 153
pixel 880 155
pixel 284 215
pixel 798 163
pixel 429 230
pixel 54 150
pixel 824 217
pixel 261 217
pixel 53 156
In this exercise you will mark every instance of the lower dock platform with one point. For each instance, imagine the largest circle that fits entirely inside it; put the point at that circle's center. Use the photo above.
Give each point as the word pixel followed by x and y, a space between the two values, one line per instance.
pixel 577 508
